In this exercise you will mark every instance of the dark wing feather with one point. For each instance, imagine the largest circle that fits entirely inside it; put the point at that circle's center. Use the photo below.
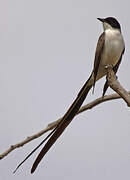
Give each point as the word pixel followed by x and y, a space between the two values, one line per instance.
pixel 99 50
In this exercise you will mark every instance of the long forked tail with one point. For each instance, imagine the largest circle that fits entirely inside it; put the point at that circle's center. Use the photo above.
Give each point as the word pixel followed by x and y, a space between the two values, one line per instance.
pixel 67 118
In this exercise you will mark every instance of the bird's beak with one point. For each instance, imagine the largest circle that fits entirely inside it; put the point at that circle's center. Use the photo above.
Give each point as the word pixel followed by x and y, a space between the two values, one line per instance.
pixel 100 19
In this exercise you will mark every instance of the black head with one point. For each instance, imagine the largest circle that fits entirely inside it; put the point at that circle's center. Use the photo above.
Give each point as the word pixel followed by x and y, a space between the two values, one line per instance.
pixel 112 21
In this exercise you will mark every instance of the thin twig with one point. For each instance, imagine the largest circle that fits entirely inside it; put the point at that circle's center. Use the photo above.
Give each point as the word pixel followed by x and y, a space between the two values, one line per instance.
pixel 53 124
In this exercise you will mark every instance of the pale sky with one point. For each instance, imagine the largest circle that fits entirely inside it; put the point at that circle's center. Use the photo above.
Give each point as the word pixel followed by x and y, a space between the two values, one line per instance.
pixel 46 54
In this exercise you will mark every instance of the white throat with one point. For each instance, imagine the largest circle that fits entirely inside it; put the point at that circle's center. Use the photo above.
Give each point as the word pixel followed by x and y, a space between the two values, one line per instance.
pixel 112 33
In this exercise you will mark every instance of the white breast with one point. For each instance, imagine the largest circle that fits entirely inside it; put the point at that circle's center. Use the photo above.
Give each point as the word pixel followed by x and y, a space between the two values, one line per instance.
pixel 113 47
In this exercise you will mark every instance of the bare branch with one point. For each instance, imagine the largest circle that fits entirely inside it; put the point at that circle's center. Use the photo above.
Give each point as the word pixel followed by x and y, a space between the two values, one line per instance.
pixel 116 86
pixel 53 124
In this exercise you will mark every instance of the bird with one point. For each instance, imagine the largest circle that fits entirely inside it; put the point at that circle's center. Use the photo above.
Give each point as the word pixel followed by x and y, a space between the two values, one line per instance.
pixel 109 51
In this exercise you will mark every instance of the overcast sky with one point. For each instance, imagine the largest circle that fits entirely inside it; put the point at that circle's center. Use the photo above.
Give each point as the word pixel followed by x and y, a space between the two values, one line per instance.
pixel 46 54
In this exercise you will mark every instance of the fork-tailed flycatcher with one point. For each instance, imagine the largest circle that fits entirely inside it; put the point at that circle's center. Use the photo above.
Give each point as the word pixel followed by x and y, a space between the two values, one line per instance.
pixel 109 51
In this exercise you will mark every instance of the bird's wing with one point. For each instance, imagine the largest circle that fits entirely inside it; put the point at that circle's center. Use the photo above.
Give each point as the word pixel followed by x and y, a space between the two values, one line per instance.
pixel 99 50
